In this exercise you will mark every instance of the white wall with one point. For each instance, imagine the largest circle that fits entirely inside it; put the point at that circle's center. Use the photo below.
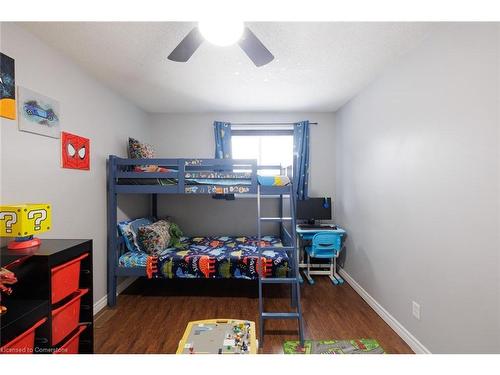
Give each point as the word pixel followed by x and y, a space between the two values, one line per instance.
pixel 30 164
pixel 192 135
pixel 418 189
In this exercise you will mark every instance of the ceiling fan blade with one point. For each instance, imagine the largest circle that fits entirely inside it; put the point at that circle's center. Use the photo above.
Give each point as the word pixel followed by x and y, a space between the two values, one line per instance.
pixel 187 46
pixel 254 48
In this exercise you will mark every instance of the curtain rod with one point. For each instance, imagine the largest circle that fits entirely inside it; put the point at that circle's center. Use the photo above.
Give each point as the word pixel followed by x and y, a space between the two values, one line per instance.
pixel 268 123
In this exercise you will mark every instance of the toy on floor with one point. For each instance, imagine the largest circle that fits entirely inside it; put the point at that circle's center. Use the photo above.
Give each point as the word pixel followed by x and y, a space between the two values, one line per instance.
pixel 355 346
pixel 219 336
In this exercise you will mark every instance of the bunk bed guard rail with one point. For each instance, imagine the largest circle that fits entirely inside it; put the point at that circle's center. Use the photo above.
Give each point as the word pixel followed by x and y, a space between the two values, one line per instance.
pixel 243 172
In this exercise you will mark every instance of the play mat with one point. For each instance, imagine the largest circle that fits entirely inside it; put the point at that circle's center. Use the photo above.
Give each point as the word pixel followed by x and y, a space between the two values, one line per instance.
pixel 356 346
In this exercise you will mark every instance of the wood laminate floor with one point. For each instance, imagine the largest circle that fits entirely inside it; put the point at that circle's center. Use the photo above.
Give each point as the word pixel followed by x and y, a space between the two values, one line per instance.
pixel 151 315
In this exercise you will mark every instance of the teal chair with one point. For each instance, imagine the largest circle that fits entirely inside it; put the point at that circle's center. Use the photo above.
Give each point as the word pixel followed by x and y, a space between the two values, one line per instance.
pixel 325 245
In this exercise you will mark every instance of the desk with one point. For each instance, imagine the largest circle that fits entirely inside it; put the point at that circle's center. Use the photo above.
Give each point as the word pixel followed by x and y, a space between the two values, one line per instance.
pixel 307 235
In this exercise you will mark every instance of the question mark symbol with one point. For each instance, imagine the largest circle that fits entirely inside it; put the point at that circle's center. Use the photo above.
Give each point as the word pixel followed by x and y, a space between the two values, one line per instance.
pixel 41 216
pixel 8 222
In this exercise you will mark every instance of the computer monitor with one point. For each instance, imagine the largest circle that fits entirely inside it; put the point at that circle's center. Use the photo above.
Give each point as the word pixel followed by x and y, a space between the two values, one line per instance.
pixel 314 209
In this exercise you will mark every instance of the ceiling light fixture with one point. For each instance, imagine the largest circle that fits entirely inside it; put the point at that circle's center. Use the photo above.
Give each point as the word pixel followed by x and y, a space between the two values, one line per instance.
pixel 221 33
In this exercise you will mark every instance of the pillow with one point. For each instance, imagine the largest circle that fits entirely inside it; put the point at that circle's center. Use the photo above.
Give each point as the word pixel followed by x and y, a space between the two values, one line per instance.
pixel 128 230
pixel 274 180
pixel 139 150
pixel 154 238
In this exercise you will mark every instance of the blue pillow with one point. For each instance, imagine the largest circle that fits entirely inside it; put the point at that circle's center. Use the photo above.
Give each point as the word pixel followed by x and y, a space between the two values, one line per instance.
pixel 128 230
pixel 274 180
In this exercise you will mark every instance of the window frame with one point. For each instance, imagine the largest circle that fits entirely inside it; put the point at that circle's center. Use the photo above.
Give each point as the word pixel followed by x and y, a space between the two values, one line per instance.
pixel 263 132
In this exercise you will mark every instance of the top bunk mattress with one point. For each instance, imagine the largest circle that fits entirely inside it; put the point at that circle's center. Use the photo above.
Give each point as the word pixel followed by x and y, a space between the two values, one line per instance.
pixel 263 180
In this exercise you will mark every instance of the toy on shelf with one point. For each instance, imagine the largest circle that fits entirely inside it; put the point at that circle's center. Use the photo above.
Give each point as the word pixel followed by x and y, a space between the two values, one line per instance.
pixel 219 336
pixel 6 278
pixel 23 222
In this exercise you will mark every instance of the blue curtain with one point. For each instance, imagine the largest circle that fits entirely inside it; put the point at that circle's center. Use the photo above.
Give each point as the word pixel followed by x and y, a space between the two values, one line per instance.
pixel 301 159
pixel 222 140
pixel 223 150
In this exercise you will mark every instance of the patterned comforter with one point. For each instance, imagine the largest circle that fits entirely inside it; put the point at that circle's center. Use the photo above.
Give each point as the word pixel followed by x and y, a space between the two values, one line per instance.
pixel 215 257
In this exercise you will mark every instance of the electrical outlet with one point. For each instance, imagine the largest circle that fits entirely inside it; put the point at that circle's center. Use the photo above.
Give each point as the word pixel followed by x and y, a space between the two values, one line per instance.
pixel 416 310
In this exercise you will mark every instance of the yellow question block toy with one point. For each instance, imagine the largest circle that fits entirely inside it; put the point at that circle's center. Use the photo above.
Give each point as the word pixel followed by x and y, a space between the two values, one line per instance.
pixel 25 220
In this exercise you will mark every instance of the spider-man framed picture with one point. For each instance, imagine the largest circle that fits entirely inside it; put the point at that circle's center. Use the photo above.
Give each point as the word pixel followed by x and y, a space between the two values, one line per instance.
pixel 75 151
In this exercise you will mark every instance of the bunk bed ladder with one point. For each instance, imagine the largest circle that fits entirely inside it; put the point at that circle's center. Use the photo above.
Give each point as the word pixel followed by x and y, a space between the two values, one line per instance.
pixel 293 278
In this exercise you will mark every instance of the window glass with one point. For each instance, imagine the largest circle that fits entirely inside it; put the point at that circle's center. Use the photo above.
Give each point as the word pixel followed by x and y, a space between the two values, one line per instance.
pixel 267 149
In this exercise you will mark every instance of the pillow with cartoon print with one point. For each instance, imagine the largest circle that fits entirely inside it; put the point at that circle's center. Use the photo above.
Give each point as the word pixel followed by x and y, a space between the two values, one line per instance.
pixel 140 150
pixel 128 229
pixel 154 238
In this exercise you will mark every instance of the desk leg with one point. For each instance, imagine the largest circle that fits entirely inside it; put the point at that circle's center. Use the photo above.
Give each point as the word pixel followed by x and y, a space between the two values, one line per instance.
pixel 308 272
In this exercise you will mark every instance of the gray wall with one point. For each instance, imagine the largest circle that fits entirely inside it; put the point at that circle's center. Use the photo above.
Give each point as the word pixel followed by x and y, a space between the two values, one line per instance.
pixel 191 135
pixel 30 164
pixel 418 189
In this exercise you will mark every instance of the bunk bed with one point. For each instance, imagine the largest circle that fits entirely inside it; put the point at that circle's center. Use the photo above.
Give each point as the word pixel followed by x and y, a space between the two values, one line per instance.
pixel 266 258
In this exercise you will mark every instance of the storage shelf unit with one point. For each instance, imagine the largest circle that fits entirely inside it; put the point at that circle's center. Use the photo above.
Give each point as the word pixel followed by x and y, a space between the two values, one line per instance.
pixel 58 276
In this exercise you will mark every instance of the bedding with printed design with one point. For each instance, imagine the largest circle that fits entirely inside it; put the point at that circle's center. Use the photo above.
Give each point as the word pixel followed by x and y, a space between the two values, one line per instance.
pixel 263 180
pixel 215 257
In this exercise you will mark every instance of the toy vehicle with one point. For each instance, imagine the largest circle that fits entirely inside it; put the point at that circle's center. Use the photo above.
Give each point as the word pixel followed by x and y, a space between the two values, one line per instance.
pixel 33 109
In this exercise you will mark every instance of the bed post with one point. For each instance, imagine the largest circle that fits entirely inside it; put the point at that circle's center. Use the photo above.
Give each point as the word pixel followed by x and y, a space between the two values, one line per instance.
pixel 154 206
pixel 281 224
pixel 112 236
pixel 296 272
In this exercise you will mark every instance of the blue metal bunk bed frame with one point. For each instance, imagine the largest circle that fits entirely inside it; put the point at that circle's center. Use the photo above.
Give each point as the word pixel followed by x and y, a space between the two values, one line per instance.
pixel 121 169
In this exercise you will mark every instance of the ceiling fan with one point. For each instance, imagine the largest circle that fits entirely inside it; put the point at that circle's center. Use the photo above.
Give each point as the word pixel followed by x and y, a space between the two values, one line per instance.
pixel 222 34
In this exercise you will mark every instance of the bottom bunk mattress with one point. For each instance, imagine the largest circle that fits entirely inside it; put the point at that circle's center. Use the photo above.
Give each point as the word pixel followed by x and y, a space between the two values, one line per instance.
pixel 215 257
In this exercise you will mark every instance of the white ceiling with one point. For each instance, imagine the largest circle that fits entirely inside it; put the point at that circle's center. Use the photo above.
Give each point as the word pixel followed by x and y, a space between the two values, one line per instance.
pixel 317 66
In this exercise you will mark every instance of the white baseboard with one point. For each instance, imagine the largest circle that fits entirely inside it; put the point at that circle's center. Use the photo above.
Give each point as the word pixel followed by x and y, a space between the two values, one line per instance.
pixel 99 305
pixel 402 332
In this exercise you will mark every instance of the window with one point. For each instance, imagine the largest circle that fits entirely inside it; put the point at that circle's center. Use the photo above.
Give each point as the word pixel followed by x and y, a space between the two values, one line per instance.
pixel 267 146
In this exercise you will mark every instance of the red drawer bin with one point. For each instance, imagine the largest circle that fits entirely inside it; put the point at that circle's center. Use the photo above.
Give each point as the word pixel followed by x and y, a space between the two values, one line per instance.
pixel 71 346
pixel 24 343
pixel 66 318
pixel 65 278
